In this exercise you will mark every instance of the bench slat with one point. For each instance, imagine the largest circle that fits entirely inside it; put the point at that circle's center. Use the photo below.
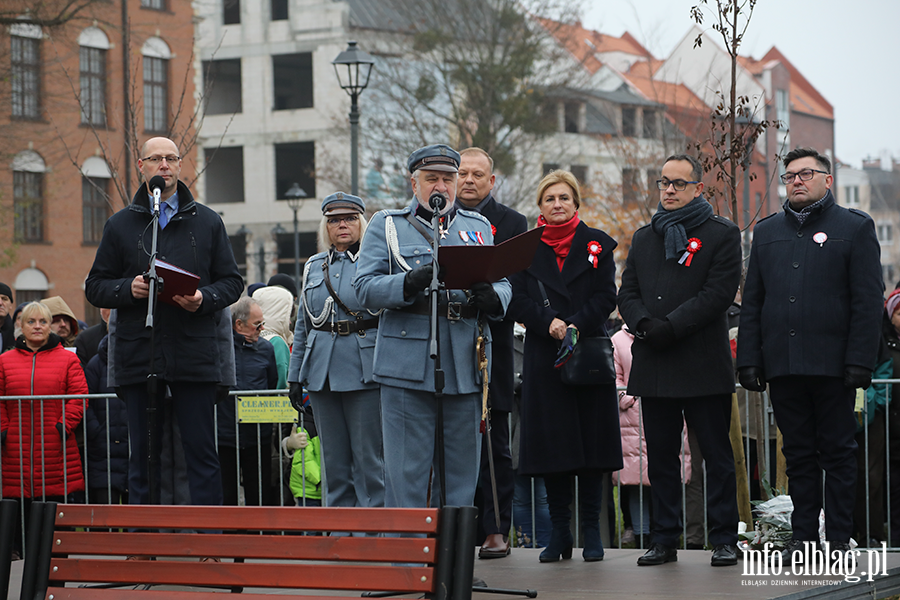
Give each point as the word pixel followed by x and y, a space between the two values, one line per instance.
pixel 376 520
pixel 227 574
pixel 131 594
pixel 226 545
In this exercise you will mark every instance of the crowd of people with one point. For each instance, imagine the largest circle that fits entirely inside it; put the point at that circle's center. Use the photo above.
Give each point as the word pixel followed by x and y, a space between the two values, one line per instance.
pixel 397 410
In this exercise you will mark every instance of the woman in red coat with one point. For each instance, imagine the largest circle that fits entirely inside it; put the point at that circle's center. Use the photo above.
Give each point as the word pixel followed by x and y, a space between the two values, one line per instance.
pixel 39 454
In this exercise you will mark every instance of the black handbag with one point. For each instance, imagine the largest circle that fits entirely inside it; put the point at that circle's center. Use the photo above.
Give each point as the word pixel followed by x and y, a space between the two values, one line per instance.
pixel 591 362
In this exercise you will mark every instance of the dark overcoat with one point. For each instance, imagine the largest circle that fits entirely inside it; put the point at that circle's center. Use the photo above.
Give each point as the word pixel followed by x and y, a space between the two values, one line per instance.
pixel 695 300
pixel 185 342
pixel 566 428
pixel 508 223
pixel 813 299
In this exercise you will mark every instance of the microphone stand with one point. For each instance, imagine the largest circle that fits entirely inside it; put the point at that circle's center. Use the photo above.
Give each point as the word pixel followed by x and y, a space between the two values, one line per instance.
pixel 437 202
pixel 153 377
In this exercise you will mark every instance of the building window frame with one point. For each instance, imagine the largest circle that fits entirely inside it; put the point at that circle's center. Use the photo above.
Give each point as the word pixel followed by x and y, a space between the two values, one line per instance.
pixel 92 77
pixel 28 206
pixel 154 4
pixel 25 72
pixel 94 207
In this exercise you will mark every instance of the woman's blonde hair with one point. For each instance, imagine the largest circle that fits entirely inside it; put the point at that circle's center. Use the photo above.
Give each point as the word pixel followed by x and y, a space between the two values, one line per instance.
pixel 324 241
pixel 559 176
pixel 35 307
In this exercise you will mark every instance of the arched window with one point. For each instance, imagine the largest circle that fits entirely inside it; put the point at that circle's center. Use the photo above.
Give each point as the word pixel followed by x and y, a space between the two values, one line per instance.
pixel 93 46
pixel 31 285
pixel 28 196
pixel 156 55
pixel 25 70
pixel 94 198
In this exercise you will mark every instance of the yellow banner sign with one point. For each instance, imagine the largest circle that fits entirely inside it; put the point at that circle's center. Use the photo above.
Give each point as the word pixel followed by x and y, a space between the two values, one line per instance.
pixel 265 409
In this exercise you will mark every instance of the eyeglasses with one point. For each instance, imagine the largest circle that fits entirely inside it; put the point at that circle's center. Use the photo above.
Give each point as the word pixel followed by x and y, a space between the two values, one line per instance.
pixel 678 184
pixel 155 160
pixel 804 175
pixel 260 325
pixel 349 220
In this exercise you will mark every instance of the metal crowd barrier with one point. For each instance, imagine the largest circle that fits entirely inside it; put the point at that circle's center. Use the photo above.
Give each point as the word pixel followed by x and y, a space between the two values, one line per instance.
pixel 764 460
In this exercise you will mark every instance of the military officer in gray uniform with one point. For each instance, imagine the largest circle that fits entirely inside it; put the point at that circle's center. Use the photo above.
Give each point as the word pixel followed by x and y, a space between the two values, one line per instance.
pixel 334 344
pixel 393 273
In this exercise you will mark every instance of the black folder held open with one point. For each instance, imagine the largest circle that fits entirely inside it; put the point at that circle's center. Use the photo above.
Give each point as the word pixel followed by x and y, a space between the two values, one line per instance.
pixel 465 265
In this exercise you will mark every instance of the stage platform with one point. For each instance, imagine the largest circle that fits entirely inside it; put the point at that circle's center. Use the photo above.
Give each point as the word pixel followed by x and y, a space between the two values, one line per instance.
pixel 618 576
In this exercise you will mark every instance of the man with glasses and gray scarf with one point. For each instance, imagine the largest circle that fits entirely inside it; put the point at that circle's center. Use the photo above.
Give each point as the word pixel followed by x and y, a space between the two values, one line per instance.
pixel 680 277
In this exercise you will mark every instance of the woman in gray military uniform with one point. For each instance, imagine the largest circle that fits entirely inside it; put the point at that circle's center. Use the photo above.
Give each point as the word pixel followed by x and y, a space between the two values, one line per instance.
pixel 334 345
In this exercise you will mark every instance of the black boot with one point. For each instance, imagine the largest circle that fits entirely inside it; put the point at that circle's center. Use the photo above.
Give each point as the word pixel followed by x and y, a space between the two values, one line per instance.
pixel 590 491
pixel 559 497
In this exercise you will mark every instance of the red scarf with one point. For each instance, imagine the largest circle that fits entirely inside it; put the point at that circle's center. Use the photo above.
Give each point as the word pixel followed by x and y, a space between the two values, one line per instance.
pixel 559 237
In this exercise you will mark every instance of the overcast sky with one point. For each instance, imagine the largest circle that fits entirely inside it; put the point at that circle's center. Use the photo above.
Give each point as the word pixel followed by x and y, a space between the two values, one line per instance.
pixel 847 50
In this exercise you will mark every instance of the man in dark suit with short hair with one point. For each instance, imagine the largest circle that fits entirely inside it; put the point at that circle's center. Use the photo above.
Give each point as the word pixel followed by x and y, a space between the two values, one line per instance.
pixel 476 181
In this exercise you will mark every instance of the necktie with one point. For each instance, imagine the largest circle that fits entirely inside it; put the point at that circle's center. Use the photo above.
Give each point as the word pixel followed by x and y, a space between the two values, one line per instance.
pixel 163 215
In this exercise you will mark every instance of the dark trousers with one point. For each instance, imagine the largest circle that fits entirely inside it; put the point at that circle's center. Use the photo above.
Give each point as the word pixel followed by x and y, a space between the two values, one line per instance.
pixel 251 476
pixel 504 476
pixel 193 405
pixel 815 415
pixel 710 418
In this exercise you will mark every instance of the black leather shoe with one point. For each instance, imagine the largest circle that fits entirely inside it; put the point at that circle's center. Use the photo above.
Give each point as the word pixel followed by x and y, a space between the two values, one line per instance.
pixel 724 555
pixel 658 555
pixel 787 553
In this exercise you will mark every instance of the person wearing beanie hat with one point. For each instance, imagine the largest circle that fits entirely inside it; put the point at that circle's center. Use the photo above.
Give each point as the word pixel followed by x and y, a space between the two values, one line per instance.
pixel 284 280
pixel 334 347
pixel 251 289
pixel 7 325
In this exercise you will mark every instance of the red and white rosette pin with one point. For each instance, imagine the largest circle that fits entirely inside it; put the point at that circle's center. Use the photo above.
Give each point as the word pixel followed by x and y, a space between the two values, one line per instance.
pixel 692 246
pixel 594 249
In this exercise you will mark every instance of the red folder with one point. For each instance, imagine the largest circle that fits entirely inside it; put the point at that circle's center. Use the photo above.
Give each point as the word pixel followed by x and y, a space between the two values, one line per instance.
pixel 175 282
pixel 465 265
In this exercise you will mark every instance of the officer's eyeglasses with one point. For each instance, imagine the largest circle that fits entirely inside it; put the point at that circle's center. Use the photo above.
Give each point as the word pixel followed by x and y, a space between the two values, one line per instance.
pixel 349 220
pixel 678 184
pixel 804 175
pixel 155 160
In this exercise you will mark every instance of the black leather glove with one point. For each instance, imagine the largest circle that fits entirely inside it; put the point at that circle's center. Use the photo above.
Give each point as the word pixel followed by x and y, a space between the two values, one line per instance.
pixel 296 396
pixel 60 431
pixel 752 378
pixel 658 333
pixel 485 298
pixel 417 280
pixel 857 377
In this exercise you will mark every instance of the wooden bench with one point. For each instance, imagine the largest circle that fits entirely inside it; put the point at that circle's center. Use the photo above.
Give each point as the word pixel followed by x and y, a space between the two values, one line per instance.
pixel 424 551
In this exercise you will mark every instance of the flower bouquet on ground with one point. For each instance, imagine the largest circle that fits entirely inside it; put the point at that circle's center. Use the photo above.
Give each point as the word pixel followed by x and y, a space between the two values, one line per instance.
pixel 773 523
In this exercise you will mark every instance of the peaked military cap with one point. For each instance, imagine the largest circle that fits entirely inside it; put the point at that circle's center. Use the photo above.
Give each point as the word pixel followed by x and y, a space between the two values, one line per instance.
pixel 438 157
pixel 341 203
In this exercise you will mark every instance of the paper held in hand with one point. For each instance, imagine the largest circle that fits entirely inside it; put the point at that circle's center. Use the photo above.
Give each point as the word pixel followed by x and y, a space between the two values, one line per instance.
pixel 465 265
pixel 175 282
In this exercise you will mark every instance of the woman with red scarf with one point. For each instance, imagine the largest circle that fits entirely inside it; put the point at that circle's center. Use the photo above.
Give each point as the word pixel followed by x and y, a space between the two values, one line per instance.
pixel 566 430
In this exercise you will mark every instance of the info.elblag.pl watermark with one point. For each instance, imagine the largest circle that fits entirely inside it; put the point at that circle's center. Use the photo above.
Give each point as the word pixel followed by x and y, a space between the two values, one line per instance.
pixel 814 561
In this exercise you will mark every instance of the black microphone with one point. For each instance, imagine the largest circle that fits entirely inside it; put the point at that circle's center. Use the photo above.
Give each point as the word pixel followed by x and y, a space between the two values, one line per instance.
pixel 437 201
pixel 157 183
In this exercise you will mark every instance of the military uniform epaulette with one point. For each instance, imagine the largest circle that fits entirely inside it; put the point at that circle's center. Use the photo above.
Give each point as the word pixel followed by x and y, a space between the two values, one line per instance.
pixel 473 214
pixel 393 211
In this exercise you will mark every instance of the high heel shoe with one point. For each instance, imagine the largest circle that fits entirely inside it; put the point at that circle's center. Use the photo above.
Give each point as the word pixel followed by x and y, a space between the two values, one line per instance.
pixel 560 545
pixel 593 545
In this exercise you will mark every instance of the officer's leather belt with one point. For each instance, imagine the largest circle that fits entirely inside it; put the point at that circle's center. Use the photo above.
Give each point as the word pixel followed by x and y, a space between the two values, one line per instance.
pixel 453 311
pixel 348 327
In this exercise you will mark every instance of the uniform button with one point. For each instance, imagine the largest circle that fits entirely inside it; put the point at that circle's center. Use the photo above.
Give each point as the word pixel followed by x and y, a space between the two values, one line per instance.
pixel 659 297
pixel 799 234
pixel 337 274
pixel 793 333
pixel 415 251
pixel 403 333
pixel 793 299
pixel 796 264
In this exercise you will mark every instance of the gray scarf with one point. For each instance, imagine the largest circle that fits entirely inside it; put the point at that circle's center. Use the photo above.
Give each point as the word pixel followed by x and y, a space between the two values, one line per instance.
pixel 673 225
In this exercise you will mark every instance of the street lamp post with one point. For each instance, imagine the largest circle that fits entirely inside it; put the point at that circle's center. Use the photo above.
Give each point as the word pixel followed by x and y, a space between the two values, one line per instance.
pixel 353 68
pixel 295 196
